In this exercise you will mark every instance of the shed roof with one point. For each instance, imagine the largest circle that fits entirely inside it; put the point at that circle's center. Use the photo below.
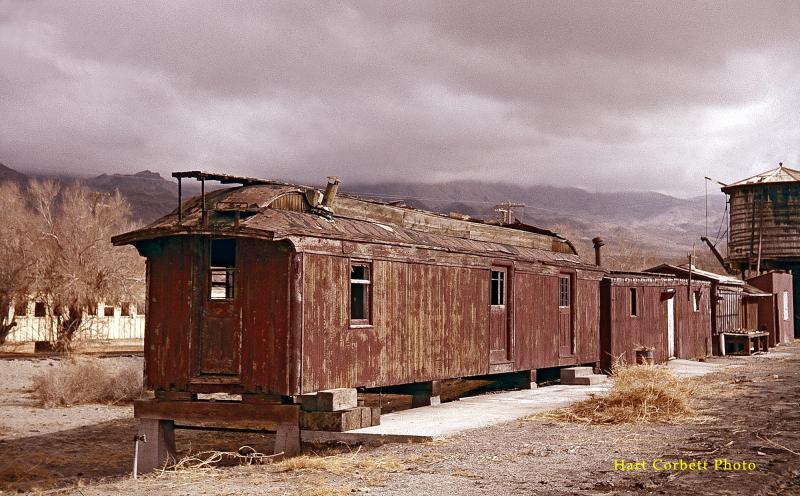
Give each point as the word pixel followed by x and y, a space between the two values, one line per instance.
pixel 353 219
pixel 780 174
pixel 698 273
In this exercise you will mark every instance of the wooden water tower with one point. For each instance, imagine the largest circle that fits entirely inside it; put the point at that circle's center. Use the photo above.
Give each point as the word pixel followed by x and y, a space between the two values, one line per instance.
pixel 764 229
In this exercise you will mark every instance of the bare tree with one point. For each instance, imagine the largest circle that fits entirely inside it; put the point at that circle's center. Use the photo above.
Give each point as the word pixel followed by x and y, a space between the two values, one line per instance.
pixel 17 252
pixel 77 267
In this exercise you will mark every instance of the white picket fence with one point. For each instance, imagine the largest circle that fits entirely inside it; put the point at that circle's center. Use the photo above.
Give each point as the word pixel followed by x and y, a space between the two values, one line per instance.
pixel 98 327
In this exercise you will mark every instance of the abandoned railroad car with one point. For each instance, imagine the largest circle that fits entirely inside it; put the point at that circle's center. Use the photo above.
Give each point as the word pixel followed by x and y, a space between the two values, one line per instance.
pixel 276 289
pixel 655 311
pixel 776 314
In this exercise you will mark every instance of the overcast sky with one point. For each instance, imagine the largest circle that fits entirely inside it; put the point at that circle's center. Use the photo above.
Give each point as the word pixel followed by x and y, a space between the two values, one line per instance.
pixel 601 95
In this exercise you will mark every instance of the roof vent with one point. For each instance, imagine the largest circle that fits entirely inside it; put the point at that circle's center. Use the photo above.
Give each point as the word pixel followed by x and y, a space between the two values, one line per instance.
pixel 330 192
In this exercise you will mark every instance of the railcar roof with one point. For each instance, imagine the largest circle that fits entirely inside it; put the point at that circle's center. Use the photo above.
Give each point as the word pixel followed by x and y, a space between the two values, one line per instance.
pixel 353 219
pixel 699 273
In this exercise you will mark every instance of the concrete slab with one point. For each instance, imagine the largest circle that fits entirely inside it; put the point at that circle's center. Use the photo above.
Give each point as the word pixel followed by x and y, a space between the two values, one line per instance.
pixel 447 419
pixel 691 368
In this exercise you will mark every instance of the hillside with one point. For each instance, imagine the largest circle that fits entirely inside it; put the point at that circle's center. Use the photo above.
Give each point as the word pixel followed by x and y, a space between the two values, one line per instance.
pixel 639 227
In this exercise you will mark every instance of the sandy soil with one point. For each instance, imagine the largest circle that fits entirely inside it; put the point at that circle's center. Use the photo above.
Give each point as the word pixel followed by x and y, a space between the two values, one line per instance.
pixel 751 413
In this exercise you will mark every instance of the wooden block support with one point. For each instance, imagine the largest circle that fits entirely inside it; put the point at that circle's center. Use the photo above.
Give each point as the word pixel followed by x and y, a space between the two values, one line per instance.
pixel 309 402
pixel 334 400
pixel 341 421
pixel 287 439
pixel 156 445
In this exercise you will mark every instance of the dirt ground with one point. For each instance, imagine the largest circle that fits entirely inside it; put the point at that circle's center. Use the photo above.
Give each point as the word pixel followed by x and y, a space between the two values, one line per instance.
pixel 751 414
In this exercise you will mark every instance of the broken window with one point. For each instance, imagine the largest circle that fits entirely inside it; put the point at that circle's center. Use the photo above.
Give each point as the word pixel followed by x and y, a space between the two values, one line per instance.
pixel 360 292
pixel 125 310
pixel 563 291
pixel 21 309
pixel 40 309
pixel 698 296
pixel 498 296
pixel 108 311
pixel 634 300
pixel 222 269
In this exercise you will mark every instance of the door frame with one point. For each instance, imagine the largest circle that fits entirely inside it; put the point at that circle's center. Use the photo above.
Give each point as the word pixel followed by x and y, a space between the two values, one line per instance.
pixel 510 340
pixel 201 285
pixel 672 341
pixel 572 275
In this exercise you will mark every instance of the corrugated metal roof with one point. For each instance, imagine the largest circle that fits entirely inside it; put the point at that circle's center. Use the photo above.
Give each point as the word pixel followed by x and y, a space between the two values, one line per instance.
pixel 779 175
pixel 684 269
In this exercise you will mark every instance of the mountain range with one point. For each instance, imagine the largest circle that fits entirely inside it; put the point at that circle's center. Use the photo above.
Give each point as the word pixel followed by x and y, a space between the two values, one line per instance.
pixel 634 222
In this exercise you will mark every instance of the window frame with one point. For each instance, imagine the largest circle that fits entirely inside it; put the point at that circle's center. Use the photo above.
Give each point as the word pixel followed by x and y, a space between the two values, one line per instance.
pixel 564 291
pixel 229 272
pixel 367 306
pixel 40 309
pixel 633 302
pixel 502 288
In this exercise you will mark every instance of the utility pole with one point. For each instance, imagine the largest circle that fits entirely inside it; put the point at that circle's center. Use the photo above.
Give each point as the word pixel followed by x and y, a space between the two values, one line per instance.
pixel 506 210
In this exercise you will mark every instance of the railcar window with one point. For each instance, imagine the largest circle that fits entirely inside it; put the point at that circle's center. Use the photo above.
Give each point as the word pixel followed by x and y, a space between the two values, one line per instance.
pixel 40 309
pixel 563 292
pixel 634 302
pixel 125 310
pixel 360 293
pixel 222 269
pixel 698 296
pixel 498 296
pixel 108 311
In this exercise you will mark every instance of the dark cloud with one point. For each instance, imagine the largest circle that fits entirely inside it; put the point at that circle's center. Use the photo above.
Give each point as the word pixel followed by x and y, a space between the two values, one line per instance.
pixel 604 95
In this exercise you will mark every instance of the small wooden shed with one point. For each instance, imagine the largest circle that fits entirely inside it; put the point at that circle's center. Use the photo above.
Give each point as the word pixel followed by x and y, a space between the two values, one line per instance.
pixel 657 311
pixel 776 314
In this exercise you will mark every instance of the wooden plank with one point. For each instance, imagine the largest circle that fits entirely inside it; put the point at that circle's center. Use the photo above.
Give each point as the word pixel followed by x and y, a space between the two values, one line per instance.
pixel 341 421
pixel 228 414
pixel 333 400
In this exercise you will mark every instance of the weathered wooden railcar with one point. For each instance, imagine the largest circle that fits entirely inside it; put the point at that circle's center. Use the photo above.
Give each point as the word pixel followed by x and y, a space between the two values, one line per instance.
pixel 275 289
pixel 656 311
pixel 775 313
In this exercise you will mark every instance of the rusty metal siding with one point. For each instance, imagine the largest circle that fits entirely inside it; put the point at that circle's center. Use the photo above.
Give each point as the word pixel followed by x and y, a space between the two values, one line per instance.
pixel 622 333
pixel 693 328
pixel 429 322
pixel 771 211
pixel 536 320
pixel 167 337
pixel 770 310
pixel 294 201
pixel 266 314
pixel 587 331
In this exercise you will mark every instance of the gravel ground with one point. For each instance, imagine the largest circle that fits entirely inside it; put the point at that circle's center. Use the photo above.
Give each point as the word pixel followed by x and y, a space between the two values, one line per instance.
pixel 751 414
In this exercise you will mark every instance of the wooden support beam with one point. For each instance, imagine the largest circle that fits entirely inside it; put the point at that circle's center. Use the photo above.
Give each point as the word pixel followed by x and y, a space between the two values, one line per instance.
pixel 229 414
pixel 156 445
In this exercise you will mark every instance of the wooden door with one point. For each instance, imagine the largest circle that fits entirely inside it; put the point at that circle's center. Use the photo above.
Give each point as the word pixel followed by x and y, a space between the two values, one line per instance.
pixel 221 323
pixel 671 328
pixel 566 336
pixel 498 326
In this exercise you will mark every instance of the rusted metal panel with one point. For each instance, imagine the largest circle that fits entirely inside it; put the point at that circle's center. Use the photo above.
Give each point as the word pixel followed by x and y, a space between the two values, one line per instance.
pixel 622 332
pixel 266 311
pixel 169 310
pixel 536 321
pixel 429 322
pixel 773 313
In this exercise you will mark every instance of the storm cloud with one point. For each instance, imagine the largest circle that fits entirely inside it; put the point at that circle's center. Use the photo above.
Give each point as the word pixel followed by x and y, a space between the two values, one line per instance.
pixel 602 95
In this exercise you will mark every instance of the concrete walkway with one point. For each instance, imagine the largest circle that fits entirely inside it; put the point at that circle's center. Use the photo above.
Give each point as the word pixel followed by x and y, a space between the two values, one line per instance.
pixel 440 421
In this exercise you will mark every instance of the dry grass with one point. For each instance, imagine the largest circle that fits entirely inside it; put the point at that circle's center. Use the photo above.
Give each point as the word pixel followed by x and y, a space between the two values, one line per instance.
pixel 343 464
pixel 81 380
pixel 640 394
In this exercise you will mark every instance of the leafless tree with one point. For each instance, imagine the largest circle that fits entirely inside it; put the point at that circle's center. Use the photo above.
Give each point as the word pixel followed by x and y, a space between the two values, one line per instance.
pixel 17 251
pixel 76 266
